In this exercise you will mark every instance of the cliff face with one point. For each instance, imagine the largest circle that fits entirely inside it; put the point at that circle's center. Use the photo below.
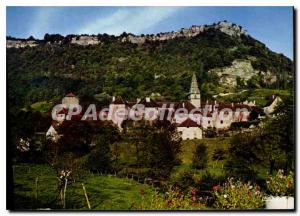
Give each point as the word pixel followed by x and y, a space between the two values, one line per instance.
pixel 20 43
pixel 241 69
pixel 225 27
pixel 85 40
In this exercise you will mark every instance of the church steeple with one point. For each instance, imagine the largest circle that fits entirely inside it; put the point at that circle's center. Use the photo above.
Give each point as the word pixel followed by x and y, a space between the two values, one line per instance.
pixel 194 95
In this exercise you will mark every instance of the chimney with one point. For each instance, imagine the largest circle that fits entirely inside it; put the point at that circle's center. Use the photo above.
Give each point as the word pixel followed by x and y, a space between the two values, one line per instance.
pixel 113 98
pixel 231 104
pixel 147 99
pixel 138 100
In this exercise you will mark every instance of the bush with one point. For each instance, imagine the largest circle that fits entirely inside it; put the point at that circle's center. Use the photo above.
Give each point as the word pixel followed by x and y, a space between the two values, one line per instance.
pixel 238 195
pixel 200 157
pixel 280 184
pixel 173 199
pixel 219 154
pixel 100 157
pixel 184 180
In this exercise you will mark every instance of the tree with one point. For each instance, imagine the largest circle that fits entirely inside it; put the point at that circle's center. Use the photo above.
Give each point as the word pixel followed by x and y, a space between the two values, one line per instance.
pixel 100 157
pixel 271 146
pixel 200 157
pixel 157 145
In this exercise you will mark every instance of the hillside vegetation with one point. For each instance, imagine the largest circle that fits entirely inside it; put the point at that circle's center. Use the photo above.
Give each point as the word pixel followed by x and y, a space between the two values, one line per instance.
pixel 115 67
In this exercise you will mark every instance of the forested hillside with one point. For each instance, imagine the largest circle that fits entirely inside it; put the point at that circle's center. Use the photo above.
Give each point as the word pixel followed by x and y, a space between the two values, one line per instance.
pixel 116 67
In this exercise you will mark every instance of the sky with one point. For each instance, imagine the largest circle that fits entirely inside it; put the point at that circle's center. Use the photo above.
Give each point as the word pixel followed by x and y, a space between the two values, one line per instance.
pixel 270 25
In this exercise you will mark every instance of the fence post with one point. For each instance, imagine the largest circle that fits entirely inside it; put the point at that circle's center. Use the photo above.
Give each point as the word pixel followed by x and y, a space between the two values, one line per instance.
pixel 86 196
pixel 36 188
pixel 66 182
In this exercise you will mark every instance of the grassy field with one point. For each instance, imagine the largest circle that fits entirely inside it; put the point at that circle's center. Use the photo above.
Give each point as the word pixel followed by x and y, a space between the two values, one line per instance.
pixel 104 192
pixel 214 168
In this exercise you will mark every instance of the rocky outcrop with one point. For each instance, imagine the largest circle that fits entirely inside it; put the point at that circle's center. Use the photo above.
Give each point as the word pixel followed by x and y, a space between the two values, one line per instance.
pixel 20 43
pixel 241 69
pixel 224 26
pixel 85 40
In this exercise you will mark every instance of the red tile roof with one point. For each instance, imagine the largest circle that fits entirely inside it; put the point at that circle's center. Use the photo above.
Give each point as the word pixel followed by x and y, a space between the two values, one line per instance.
pixel 186 105
pixel 188 123
pixel 150 103
pixel 63 111
pixel 71 94
pixel 118 100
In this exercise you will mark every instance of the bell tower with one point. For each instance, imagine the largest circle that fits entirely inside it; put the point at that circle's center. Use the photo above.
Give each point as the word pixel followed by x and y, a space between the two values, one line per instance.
pixel 194 94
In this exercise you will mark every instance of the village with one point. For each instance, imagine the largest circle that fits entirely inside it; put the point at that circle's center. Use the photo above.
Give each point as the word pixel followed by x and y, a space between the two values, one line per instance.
pixel 192 117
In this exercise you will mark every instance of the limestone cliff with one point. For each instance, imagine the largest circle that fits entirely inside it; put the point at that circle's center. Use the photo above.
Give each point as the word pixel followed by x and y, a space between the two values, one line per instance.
pixel 241 69
pixel 20 43
pixel 224 26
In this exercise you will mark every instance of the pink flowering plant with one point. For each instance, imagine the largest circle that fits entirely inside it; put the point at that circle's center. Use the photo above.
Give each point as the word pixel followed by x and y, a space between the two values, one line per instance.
pixel 173 199
pixel 238 195
pixel 281 184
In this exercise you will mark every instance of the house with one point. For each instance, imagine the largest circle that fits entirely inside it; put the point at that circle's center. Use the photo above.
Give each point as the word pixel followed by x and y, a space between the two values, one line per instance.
pixel 189 129
pixel 118 111
pixel 52 133
pixel 70 99
pixel 272 104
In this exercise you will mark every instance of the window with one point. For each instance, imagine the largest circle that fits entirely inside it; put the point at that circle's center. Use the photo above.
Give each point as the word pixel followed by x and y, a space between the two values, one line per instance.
pixel 208 122
pixel 221 121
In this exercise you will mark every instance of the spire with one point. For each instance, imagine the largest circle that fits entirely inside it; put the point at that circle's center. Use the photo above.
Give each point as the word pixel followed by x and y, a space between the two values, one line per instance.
pixel 194 85
pixel 194 95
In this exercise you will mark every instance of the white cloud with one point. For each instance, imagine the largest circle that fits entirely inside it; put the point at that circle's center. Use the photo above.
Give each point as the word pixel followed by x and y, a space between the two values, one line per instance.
pixel 133 20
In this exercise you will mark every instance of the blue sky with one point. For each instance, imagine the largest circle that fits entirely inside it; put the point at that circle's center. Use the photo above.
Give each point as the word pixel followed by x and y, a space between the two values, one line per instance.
pixel 271 25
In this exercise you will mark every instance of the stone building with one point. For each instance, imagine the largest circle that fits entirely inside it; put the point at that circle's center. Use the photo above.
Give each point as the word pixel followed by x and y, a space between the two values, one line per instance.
pixel 70 99
pixel 189 129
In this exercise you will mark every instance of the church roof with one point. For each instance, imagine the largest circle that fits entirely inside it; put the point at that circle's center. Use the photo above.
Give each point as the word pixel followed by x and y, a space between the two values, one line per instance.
pixel 188 123
pixel 194 85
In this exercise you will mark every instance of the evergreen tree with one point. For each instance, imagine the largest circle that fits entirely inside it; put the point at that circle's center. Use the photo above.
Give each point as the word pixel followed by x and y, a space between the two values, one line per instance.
pixel 200 157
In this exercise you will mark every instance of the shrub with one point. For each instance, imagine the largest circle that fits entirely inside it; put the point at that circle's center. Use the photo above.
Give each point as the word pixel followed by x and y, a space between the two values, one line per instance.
pixel 200 157
pixel 184 180
pixel 219 154
pixel 280 184
pixel 173 199
pixel 100 157
pixel 238 195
